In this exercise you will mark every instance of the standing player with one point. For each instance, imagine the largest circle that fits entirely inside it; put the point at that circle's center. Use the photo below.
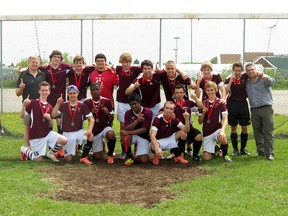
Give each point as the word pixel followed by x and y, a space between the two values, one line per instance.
pixel 40 133
pixel 165 134
pixel 214 111
pixel 73 113
pixel 237 105
pixel 147 85
pixel 127 74
pixel 137 125
pixel 102 111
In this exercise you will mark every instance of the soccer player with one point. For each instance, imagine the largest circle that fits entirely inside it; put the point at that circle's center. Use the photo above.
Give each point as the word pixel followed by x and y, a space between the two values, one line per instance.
pixel 102 111
pixel 73 113
pixel 136 130
pixel 165 134
pixel 214 120
pixel 40 134
pixel 237 105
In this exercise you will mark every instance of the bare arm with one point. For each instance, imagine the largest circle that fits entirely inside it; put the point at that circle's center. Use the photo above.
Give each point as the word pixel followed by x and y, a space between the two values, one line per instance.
pixel 132 88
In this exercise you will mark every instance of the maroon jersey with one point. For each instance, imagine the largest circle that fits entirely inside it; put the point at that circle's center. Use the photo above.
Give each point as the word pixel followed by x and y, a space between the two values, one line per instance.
pixel 215 78
pixel 107 79
pixel 39 127
pixel 125 79
pixel 57 79
pixel 101 119
pixel 80 80
pixel 164 128
pixel 189 105
pixel 130 117
pixel 72 117
pixel 169 85
pixel 237 90
pixel 149 91
pixel 215 119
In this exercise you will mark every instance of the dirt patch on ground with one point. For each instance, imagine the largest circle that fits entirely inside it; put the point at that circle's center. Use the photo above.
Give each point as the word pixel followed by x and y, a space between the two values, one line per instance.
pixel 139 184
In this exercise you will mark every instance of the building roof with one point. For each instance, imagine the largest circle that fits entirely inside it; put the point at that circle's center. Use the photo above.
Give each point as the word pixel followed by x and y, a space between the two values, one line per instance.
pixel 279 62
pixel 248 57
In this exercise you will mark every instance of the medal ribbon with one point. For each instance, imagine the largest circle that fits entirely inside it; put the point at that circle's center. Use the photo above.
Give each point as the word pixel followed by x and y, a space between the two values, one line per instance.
pixel 53 78
pixel 144 79
pixel 78 79
pixel 98 106
pixel 174 83
pixel 70 110
pixel 42 110
pixel 179 103
pixel 207 80
pixel 124 73
pixel 210 109
pixel 236 81
pixel 168 118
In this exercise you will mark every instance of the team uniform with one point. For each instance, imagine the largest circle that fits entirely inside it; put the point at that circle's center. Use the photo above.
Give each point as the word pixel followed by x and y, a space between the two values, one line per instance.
pixel 142 140
pixel 237 105
pixel 212 124
pixel 72 117
pixel 102 123
pixel 40 133
pixel 31 83
pixel 125 79
pixel 215 77
pixel 149 91
pixel 169 85
pixel 166 131
pixel 107 79
pixel 56 77
pixel 80 80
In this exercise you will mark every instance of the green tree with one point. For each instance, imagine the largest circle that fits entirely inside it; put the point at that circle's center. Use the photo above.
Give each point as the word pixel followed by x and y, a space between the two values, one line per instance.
pixel 136 62
pixel 214 60
pixel 66 58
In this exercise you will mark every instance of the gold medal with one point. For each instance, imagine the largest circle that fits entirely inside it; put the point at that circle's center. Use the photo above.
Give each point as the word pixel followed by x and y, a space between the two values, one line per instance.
pixel 43 119
pixel 97 120
pixel 53 86
pixel 72 124
pixel 208 121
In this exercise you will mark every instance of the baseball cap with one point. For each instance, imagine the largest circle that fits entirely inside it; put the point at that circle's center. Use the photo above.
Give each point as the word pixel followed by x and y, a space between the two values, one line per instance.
pixel 72 87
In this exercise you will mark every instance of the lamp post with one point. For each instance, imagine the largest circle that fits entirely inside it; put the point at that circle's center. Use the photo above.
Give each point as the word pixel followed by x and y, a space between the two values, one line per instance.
pixel 176 50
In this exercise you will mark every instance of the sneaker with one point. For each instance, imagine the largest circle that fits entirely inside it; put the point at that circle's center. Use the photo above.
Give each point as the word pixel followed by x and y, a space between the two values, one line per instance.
pixel 156 160
pixel 122 156
pixel 170 157
pixel 85 160
pixel 227 159
pixel 190 153
pixel 50 155
pixel 161 157
pixel 180 159
pixel 244 152
pixel 60 153
pixel 270 157
pixel 235 152
pixel 110 160
pixel 197 158
pixel 23 156
pixel 129 162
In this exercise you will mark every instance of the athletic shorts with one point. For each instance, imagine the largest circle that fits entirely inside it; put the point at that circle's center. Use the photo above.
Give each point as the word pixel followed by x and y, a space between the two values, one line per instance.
pixel 143 145
pixel 98 139
pixel 73 137
pixel 238 113
pixel 121 110
pixel 208 142
pixel 168 142
pixel 192 134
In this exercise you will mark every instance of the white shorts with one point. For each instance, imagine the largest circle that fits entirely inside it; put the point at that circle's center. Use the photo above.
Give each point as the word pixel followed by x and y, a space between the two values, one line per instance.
pixel 208 142
pixel 168 142
pixel 121 110
pixel 73 137
pixel 143 145
pixel 39 145
pixel 98 140
pixel 155 109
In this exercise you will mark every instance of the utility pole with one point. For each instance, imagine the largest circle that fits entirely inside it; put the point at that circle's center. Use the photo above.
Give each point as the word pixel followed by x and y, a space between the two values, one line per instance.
pixel 176 50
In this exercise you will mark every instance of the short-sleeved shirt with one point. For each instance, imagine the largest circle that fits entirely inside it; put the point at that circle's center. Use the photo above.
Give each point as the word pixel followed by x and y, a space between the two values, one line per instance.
pixel 125 79
pixel 59 77
pixel 190 107
pixel 31 84
pixel 130 117
pixel 80 80
pixel 101 119
pixel 169 85
pixel 39 127
pixel 79 111
pixel 215 118
pixel 149 90
pixel 165 129
pixel 106 79
pixel 237 90
pixel 215 78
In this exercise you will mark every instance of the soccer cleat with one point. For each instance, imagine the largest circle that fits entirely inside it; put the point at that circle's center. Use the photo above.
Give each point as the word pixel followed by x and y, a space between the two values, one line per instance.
pixel 235 152
pixel 129 162
pixel 244 152
pixel 60 152
pixel 161 157
pixel 270 157
pixel 50 155
pixel 85 160
pixel 23 156
pixel 122 156
pixel 110 160
pixel 196 158
pixel 170 157
pixel 227 159
pixel 180 159
pixel 156 160
pixel 190 153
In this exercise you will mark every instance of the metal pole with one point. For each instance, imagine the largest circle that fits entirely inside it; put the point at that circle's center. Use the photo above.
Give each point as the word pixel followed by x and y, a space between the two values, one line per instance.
pixel 160 43
pixel 81 38
pixel 176 50
pixel 1 71
pixel 191 41
pixel 244 39
pixel 92 41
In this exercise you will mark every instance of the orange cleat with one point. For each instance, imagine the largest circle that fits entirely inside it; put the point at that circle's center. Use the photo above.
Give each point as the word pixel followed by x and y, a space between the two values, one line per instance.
pixel 60 153
pixel 156 160
pixel 180 159
pixel 110 160
pixel 85 160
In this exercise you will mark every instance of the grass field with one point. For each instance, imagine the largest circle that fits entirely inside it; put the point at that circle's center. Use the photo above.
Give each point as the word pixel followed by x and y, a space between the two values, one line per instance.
pixel 249 186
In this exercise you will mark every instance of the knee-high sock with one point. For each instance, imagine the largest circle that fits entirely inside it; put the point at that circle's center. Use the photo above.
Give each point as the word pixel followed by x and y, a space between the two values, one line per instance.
pixel 56 147
pixel 27 152
pixel 234 140
pixel 111 146
pixel 87 148
pixel 244 138
pixel 224 149
pixel 196 147
pixel 181 145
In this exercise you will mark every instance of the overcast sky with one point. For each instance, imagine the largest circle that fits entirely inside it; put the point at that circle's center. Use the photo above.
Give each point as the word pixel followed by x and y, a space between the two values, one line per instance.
pixel 36 7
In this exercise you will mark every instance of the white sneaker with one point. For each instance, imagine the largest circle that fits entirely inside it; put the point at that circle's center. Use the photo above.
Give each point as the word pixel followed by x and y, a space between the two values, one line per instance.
pixel 190 153
pixel 170 157
pixel 50 155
